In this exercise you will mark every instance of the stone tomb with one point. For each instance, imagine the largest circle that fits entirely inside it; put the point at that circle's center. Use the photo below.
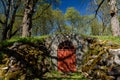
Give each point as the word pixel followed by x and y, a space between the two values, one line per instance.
pixel 66 51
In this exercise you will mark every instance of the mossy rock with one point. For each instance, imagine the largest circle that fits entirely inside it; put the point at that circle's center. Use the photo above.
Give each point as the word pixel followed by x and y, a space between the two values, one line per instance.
pixel 32 59
pixel 95 62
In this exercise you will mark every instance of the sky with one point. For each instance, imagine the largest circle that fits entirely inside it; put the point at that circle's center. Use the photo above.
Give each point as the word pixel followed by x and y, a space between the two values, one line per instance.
pixel 79 5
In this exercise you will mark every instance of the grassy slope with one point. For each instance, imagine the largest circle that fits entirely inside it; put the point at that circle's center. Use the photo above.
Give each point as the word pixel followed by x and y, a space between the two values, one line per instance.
pixel 23 40
pixel 41 38
pixel 109 38
pixel 52 74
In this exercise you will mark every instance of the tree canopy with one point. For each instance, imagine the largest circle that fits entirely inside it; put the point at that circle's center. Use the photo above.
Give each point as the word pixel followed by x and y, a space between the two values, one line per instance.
pixel 42 17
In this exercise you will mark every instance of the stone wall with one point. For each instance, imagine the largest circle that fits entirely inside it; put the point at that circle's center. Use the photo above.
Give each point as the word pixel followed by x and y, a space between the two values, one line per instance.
pixel 98 59
pixel 78 42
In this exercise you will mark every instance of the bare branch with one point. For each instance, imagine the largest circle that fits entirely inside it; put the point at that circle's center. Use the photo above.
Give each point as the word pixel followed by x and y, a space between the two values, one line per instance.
pixel 14 12
pixel 15 32
pixel 96 12
pixel 12 19
pixel 3 3
pixel 7 11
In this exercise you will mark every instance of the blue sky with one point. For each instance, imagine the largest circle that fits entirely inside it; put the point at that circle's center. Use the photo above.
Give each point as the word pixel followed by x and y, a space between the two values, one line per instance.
pixel 79 5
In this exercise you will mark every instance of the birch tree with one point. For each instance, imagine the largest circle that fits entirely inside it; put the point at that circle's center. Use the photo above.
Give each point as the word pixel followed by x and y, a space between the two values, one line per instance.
pixel 113 12
pixel 27 18
pixel 29 10
pixel 114 18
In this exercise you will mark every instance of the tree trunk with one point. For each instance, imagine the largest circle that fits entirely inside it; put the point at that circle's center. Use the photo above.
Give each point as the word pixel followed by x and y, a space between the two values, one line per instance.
pixel 114 18
pixel 27 22
pixel 10 9
pixel 4 32
pixel 27 19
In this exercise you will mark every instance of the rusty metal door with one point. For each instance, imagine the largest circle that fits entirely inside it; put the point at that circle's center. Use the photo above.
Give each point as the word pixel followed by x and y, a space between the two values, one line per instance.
pixel 66 60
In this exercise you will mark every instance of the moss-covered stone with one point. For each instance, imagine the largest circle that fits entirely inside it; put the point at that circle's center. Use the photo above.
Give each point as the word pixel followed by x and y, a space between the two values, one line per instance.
pixel 97 61
pixel 25 60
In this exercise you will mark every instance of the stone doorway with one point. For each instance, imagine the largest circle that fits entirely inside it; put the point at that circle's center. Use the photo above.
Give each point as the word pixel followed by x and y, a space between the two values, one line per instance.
pixel 66 57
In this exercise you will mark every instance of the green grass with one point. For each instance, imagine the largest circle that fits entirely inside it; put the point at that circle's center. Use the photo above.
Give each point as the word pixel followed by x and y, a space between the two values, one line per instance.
pixel 23 40
pixel 41 39
pixel 109 38
pixel 56 75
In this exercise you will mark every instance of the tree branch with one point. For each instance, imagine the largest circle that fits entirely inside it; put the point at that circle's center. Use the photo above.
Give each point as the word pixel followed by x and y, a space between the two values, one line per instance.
pixel 96 12
pixel 14 12
pixel 15 32
pixel 12 19
pixel 3 3
pixel 7 12
pixel 1 22
pixel 42 12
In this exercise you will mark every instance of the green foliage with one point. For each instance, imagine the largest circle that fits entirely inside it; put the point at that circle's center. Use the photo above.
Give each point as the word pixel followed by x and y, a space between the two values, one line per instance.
pixel 95 27
pixel 2 17
pixel 59 21
pixel 84 27
pixel 72 16
pixel 43 20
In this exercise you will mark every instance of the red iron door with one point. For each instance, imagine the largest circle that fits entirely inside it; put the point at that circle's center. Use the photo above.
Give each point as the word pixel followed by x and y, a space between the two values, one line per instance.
pixel 66 60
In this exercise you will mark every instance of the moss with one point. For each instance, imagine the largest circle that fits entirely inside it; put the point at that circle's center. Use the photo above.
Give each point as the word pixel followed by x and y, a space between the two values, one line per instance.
pixel 101 75
pixel 35 58
pixel 12 75
pixel 98 52
pixel 32 56
pixel 37 39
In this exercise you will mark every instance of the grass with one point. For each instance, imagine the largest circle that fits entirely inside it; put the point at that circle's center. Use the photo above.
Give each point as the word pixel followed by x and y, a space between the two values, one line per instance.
pixel 41 39
pixel 113 39
pixel 23 40
pixel 56 75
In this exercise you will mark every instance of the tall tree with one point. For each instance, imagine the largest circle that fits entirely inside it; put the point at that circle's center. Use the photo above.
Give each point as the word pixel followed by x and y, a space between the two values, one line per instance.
pixel 27 18
pixel 44 24
pixel 114 18
pixel 30 6
pixel 9 10
pixel 95 27
pixel 59 20
pixel 102 14
pixel 73 17
pixel 113 14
